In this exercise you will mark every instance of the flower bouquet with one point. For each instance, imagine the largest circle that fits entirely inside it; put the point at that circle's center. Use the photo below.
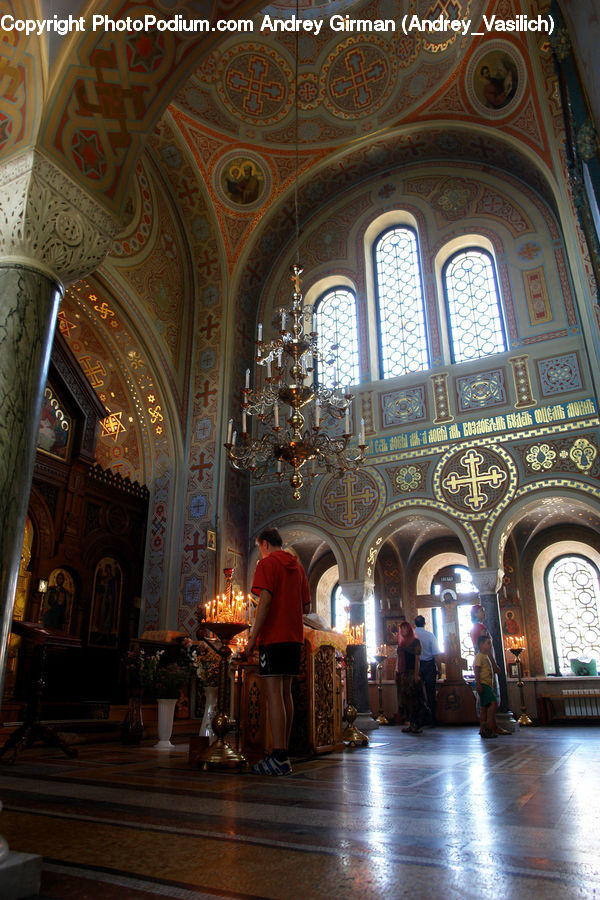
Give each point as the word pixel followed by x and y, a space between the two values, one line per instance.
pixel 141 671
pixel 206 665
pixel 169 680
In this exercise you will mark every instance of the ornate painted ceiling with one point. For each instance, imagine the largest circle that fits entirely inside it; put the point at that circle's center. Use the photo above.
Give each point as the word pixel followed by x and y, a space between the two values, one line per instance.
pixel 365 101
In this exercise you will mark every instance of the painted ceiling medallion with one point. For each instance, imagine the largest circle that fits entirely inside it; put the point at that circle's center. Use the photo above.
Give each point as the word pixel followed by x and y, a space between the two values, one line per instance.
pixel 495 79
pixel 242 181
pixel 455 197
pixel 475 480
pixel 358 78
pixel 350 501
pixel 255 84
pixel 454 10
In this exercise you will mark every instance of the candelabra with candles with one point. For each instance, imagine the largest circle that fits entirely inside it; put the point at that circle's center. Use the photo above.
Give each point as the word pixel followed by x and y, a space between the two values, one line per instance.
pixel 380 658
pixel 226 616
pixel 294 441
pixel 354 637
pixel 516 647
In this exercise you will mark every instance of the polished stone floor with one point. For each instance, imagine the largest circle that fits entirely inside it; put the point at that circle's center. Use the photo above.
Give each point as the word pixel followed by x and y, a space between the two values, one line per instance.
pixel 444 815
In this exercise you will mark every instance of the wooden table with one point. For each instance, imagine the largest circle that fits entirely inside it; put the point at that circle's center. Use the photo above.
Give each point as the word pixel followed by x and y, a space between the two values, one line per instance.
pixel 31 730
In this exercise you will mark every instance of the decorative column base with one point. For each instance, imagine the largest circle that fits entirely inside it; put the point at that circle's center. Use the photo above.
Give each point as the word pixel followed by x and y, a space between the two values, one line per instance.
pixel 507 721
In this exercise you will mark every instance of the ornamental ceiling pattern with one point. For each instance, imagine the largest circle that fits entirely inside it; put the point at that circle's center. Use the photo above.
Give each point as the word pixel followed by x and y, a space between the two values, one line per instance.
pixel 242 96
pixel 112 88
pixel 347 85
pixel 152 258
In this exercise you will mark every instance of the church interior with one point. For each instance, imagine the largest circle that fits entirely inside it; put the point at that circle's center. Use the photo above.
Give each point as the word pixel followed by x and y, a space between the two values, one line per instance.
pixel 330 267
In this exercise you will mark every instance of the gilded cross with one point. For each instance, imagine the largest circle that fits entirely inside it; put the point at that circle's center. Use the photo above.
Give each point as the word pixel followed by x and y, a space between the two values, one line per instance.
pixel 347 499
pixel 474 479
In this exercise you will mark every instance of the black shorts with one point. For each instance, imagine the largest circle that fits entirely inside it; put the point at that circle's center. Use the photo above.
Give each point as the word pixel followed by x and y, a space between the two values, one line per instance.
pixel 279 659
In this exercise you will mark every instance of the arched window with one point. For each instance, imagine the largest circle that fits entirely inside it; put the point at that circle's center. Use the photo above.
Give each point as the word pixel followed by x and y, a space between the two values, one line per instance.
pixel 400 307
pixel 573 594
pixel 336 325
pixel 339 605
pixel 473 304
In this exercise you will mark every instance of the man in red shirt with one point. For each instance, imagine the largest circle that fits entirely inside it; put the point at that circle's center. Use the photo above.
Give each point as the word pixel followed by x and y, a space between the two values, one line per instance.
pixel 282 587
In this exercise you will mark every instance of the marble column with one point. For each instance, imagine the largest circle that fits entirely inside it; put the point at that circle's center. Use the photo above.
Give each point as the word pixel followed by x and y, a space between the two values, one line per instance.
pixel 28 305
pixel 488 582
pixel 51 233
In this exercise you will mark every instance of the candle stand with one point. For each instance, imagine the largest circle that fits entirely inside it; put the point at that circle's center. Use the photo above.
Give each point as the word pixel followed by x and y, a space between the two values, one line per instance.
pixel 381 718
pixel 351 734
pixel 221 754
pixel 523 718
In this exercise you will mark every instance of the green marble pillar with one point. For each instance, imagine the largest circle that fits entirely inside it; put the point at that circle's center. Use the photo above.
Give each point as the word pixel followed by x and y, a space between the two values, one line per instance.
pixel 28 306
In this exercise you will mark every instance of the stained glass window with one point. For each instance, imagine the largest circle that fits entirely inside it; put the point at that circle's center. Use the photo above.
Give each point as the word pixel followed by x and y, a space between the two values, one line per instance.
pixel 474 314
pixel 400 307
pixel 336 325
pixel 573 591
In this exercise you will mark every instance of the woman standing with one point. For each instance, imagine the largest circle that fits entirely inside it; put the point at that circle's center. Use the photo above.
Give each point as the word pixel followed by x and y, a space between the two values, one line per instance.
pixel 410 686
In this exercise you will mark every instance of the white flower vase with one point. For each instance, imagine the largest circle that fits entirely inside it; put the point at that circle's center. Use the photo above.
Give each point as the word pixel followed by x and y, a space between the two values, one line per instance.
pixel 210 708
pixel 166 713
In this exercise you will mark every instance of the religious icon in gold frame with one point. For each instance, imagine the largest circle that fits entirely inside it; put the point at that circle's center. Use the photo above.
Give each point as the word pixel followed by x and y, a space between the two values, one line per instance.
pixel 105 608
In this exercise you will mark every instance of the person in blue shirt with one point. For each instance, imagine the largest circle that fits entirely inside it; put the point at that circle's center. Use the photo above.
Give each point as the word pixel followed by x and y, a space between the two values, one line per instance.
pixel 430 667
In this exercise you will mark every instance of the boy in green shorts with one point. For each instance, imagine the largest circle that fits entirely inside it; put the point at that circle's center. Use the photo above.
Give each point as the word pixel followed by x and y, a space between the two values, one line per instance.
pixel 485 666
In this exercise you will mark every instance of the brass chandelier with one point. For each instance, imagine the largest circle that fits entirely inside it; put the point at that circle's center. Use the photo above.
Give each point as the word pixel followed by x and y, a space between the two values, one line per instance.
pixel 288 361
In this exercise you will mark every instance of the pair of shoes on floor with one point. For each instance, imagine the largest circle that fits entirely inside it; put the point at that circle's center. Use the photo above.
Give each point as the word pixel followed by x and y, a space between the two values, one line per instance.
pixel 271 766
pixel 486 732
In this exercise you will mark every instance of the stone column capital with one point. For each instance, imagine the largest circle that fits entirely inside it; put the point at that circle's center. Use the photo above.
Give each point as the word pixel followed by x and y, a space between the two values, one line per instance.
pixel 50 223
pixel 353 591
pixel 487 581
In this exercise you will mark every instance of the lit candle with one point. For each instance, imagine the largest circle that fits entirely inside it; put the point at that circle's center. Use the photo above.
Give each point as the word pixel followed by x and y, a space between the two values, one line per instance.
pixel 278 466
pixel 247 378
pixel 268 368
pixel 347 421
pixel 317 412
pixel 279 356
pixel 243 421
pixel 229 431
pixel 260 331
pixel 362 432
pixel 234 437
pixel 276 415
